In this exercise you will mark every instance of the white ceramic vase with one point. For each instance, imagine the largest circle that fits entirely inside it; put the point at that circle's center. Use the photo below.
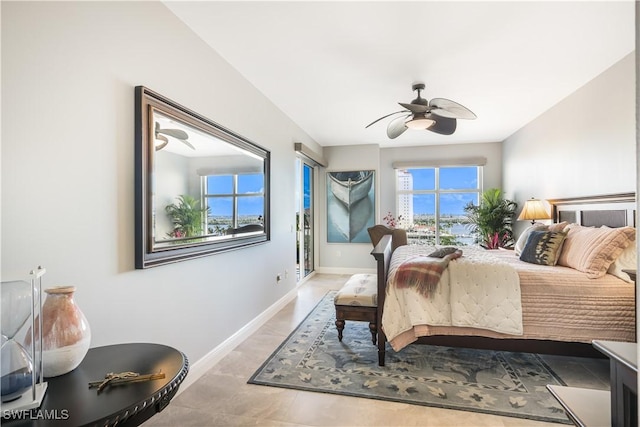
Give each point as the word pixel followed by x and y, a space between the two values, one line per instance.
pixel 66 335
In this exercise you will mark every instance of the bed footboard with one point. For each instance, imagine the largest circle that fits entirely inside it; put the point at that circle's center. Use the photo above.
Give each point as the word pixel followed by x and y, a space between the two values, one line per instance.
pixel 382 254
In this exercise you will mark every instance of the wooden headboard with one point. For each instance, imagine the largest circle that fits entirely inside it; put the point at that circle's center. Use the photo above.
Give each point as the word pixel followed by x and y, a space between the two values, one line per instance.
pixel 612 210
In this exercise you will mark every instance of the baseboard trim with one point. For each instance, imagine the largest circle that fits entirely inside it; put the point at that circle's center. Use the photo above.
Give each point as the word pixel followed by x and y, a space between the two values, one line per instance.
pixel 341 270
pixel 306 278
pixel 201 366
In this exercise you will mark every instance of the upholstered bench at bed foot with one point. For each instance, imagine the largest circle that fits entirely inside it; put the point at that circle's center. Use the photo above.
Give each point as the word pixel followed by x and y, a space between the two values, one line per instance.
pixel 358 301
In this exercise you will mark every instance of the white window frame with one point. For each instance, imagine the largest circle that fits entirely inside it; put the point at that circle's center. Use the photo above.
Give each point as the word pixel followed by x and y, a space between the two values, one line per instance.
pixel 436 191
pixel 234 195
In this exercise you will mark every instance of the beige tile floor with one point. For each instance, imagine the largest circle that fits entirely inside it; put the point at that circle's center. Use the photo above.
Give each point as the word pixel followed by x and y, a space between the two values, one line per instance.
pixel 222 396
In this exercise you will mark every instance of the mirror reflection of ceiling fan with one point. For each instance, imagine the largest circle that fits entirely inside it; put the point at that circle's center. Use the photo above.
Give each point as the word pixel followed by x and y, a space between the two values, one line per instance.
pixel 438 115
pixel 178 134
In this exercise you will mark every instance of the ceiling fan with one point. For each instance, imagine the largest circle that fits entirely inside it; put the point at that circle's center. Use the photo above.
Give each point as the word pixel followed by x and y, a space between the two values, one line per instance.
pixel 438 115
pixel 178 134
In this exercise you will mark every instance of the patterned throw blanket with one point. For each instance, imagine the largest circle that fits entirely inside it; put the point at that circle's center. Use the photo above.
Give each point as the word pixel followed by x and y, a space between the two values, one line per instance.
pixel 423 272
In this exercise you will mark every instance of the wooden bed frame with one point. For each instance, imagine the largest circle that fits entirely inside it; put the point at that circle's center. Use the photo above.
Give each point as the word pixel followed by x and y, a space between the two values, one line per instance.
pixel 615 210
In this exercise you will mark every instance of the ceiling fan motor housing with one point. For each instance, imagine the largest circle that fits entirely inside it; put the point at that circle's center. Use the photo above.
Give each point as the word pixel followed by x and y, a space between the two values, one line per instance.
pixel 419 100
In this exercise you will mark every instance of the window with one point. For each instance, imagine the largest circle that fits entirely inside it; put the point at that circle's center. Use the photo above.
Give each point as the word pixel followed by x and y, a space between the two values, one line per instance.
pixel 304 218
pixel 430 203
pixel 234 201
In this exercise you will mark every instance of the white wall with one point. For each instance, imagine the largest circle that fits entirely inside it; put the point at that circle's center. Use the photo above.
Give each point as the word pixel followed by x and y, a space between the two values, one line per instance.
pixel 171 182
pixel 585 145
pixel 68 76
pixel 343 257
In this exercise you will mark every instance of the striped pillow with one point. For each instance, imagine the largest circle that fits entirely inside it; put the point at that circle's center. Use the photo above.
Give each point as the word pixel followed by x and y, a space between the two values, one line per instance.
pixel 593 250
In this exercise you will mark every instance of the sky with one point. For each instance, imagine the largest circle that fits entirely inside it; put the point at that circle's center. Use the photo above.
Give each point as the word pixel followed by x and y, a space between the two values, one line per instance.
pixel 223 184
pixel 450 179
pixel 307 182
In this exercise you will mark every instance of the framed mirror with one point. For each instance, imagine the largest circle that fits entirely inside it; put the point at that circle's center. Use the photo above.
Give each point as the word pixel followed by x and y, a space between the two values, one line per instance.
pixel 200 188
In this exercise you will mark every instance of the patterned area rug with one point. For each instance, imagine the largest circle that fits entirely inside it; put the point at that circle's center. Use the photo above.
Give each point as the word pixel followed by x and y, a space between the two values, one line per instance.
pixel 495 382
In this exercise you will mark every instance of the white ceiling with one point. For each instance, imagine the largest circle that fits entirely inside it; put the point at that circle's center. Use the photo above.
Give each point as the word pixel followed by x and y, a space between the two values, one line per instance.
pixel 334 67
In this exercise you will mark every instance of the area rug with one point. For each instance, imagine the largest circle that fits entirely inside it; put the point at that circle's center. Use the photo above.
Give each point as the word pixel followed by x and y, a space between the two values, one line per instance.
pixel 493 382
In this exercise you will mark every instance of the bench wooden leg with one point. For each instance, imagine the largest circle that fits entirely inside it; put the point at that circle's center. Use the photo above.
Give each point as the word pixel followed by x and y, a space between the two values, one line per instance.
pixel 340 327
pixel 374 332
pixel 357 314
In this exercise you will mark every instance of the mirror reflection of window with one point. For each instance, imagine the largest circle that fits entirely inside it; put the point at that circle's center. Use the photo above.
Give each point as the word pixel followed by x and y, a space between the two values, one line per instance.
pixel 236 203
pixel 204 186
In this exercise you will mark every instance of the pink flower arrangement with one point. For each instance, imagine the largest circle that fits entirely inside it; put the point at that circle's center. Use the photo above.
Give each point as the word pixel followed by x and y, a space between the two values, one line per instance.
pixel 176 233
pixel 391 220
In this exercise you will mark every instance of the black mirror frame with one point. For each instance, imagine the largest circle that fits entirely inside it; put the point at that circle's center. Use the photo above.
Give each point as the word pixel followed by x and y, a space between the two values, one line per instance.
pixel 145 255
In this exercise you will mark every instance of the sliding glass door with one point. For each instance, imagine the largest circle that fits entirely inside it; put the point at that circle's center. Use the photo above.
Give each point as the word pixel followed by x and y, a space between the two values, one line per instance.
pixel 304 219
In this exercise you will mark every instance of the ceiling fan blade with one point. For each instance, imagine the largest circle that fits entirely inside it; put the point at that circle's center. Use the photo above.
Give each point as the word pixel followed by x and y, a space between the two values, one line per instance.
pixel 384 117
pixel 162 145
pixel 187 143
pixel 443 125
pixel 446 108
pixel 397 127
pixel 416 108
pixel 176 133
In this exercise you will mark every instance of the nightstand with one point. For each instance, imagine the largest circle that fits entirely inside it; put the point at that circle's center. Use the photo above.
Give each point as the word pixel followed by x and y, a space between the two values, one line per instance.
pixel 596 408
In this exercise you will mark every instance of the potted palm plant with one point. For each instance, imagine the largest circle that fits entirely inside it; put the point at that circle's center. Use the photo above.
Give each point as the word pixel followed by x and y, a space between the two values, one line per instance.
pixel 187 216
pixel 492 220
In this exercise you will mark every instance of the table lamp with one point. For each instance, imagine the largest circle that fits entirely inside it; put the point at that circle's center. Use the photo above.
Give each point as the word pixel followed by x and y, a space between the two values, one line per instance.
pixel 534 209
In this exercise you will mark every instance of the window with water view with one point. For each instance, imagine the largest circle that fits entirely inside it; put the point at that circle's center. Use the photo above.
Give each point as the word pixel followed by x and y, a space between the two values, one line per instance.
pixel 430 203
pixel 234 201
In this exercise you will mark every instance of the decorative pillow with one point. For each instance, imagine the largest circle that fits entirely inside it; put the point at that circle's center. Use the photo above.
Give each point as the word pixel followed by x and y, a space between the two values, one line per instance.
pixel 376 232
pixel 398 235
pixel 443 252
pixel 543 247
pixel 559 226
pixel 593 250
pixel 522 240
pixel 628 260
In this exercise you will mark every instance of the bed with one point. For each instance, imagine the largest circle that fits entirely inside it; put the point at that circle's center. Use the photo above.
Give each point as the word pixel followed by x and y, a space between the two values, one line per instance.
pixel 563 307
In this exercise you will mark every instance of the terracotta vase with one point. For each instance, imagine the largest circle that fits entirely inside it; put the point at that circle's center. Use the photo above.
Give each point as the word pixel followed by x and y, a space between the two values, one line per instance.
pixel 66 334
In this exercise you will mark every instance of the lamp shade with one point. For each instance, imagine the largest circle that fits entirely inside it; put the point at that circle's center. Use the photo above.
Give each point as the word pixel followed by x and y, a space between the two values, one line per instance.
pixel 419 121
pixel 534 209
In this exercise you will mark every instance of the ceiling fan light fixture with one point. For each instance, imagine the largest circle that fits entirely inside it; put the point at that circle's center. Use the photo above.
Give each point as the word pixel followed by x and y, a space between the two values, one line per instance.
pixel 420 122
pixel 439 115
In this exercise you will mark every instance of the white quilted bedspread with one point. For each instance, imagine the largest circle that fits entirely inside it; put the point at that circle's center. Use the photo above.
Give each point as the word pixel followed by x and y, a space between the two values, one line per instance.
pixel 477 290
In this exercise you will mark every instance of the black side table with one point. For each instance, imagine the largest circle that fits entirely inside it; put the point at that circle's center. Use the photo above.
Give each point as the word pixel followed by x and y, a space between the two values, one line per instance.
pixel 624 381
pixel 596 408
pixel 70 402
